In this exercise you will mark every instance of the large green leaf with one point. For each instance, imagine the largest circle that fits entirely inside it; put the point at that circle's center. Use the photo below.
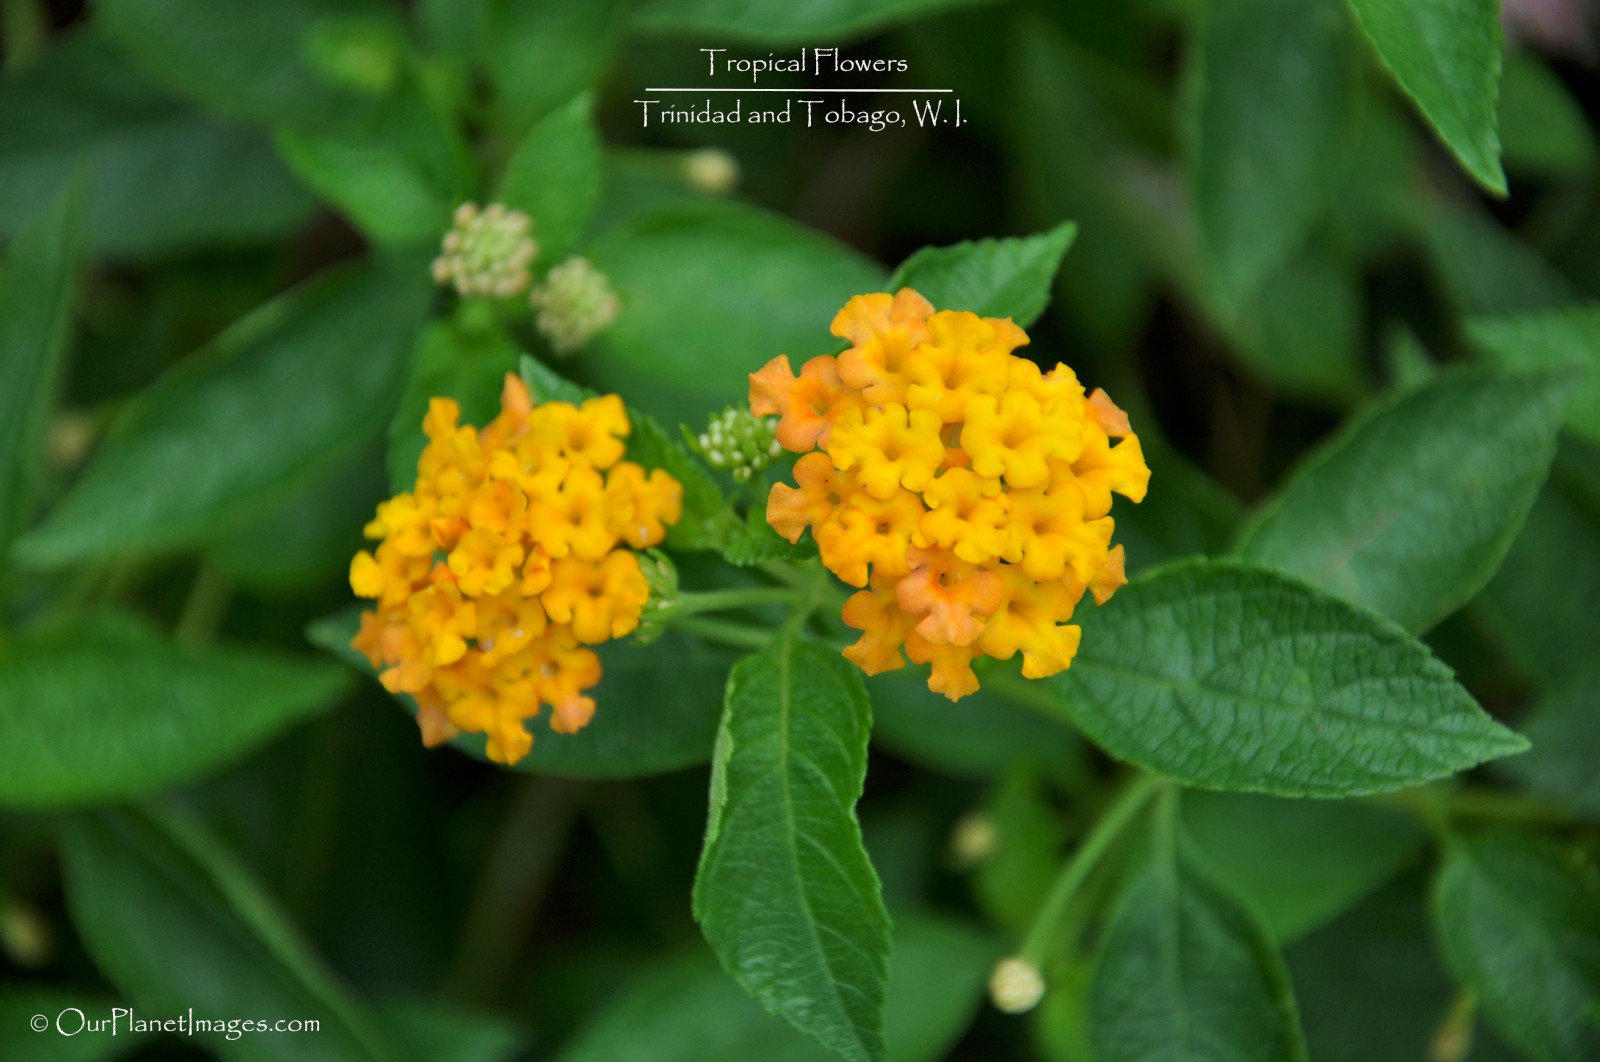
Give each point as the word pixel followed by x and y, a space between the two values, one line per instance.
pixel 657 707
pixel 158 176
pixel 777 21
pixel 110 712
pixel 540 55
pixel 1225 676
pixel 1409 510
pixel 785 893
pixel 37 285
pixel 240 58
pixel 1520 923
pixel 1559 339
pixel 371 183
pixel 1300 862
pixel 1272 95
pixel 710 292
pixel 1301 328
pixel 280 397
pixel 995 278
pixel 1445 54
pixel 1186 974
pixel 554 176
pixel 689 1011
pixel 174 923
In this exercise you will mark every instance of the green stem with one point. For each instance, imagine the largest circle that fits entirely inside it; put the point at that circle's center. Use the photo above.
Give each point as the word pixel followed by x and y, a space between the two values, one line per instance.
pixel 728 632
pixel 1116 818
pixel 205 609
pixel 689 604
pixel 1475 803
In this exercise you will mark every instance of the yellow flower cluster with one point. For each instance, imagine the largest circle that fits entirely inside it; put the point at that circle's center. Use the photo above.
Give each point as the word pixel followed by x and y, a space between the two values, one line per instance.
pixel 967 492
pixel 508 559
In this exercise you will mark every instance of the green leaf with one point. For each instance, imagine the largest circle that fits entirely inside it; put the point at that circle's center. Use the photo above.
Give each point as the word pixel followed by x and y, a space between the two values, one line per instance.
pixel 656 710
pixel 981 736
pixel 687 1010
pixel 554 177
pixel 370 183
pixel 59 1042
pixel 1300 863
pixel 801 21
pixel 538 56
pixel 37 288
pixel 1012 881
pixel 1186 973
pixel 437 1032
pixel 1542 125
pixel 1568 338
pixel 711 292
pixel 1544 602
pixel 1564 728
pixel 239 58
pixel 1301 328
pixel 705 522
pixel 1409 510
pixel 1520 924
pixel 1224 676
pixel 754 542
pixel 109 712
pixel 174 923
pixel 1483 268
pixel 82 108
pixel 452 360
pixel 785 893
pixel 1445 54
pixel 279 398
pixel 993 278
pixel 1273 87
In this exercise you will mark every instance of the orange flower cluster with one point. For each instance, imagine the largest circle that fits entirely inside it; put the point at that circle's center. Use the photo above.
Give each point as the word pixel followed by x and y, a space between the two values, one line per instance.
pixel 508 559
pixel 965 490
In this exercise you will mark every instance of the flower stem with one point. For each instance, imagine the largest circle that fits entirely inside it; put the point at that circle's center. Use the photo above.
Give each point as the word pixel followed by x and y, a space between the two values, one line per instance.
pixel 688 604
pixel 1112 823
pixel 728 632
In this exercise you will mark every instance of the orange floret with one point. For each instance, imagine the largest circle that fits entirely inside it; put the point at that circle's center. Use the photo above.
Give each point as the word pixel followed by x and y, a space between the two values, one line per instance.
pixel 963 487
pixel 512 553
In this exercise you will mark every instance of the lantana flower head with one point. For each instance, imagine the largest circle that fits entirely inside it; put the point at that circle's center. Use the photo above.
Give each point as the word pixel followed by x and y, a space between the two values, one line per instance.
pixel 965 491
pixel 513 554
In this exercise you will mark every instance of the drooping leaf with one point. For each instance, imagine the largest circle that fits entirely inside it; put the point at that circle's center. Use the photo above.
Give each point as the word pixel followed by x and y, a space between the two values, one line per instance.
pixel 785 893
pixel 554 176
pixel 710 292
pixel 1225 676
pixel 1559 339
pixel 1301 863
pixel 1409 510
pixel 175 923
pixel 1272 95
pixel 280 397
pixel 38 283
pixel 84 107
pixel 1186 973
pixel 993 278
pixel 1445 54
pixel 656 710
pixel 1520 924
pixel 775 22
pixel 688 1010
pixel 111 712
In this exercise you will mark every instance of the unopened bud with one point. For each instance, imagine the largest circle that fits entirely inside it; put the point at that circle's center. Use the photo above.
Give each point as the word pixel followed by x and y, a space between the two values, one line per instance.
pixel 487 252
pixel 974 840
pixel 1016 986
pixel 575 303
pixel 711 170
pixel 25 936
pixel 739 442
pixel 661 576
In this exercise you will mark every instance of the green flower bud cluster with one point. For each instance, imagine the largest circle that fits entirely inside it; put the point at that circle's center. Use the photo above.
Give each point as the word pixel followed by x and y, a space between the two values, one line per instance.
pixel 739 442
pixel 487 252
pixel 574 304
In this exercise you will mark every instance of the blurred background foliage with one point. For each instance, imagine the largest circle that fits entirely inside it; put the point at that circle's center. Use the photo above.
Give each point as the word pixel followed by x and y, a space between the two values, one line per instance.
pixel 1271 234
